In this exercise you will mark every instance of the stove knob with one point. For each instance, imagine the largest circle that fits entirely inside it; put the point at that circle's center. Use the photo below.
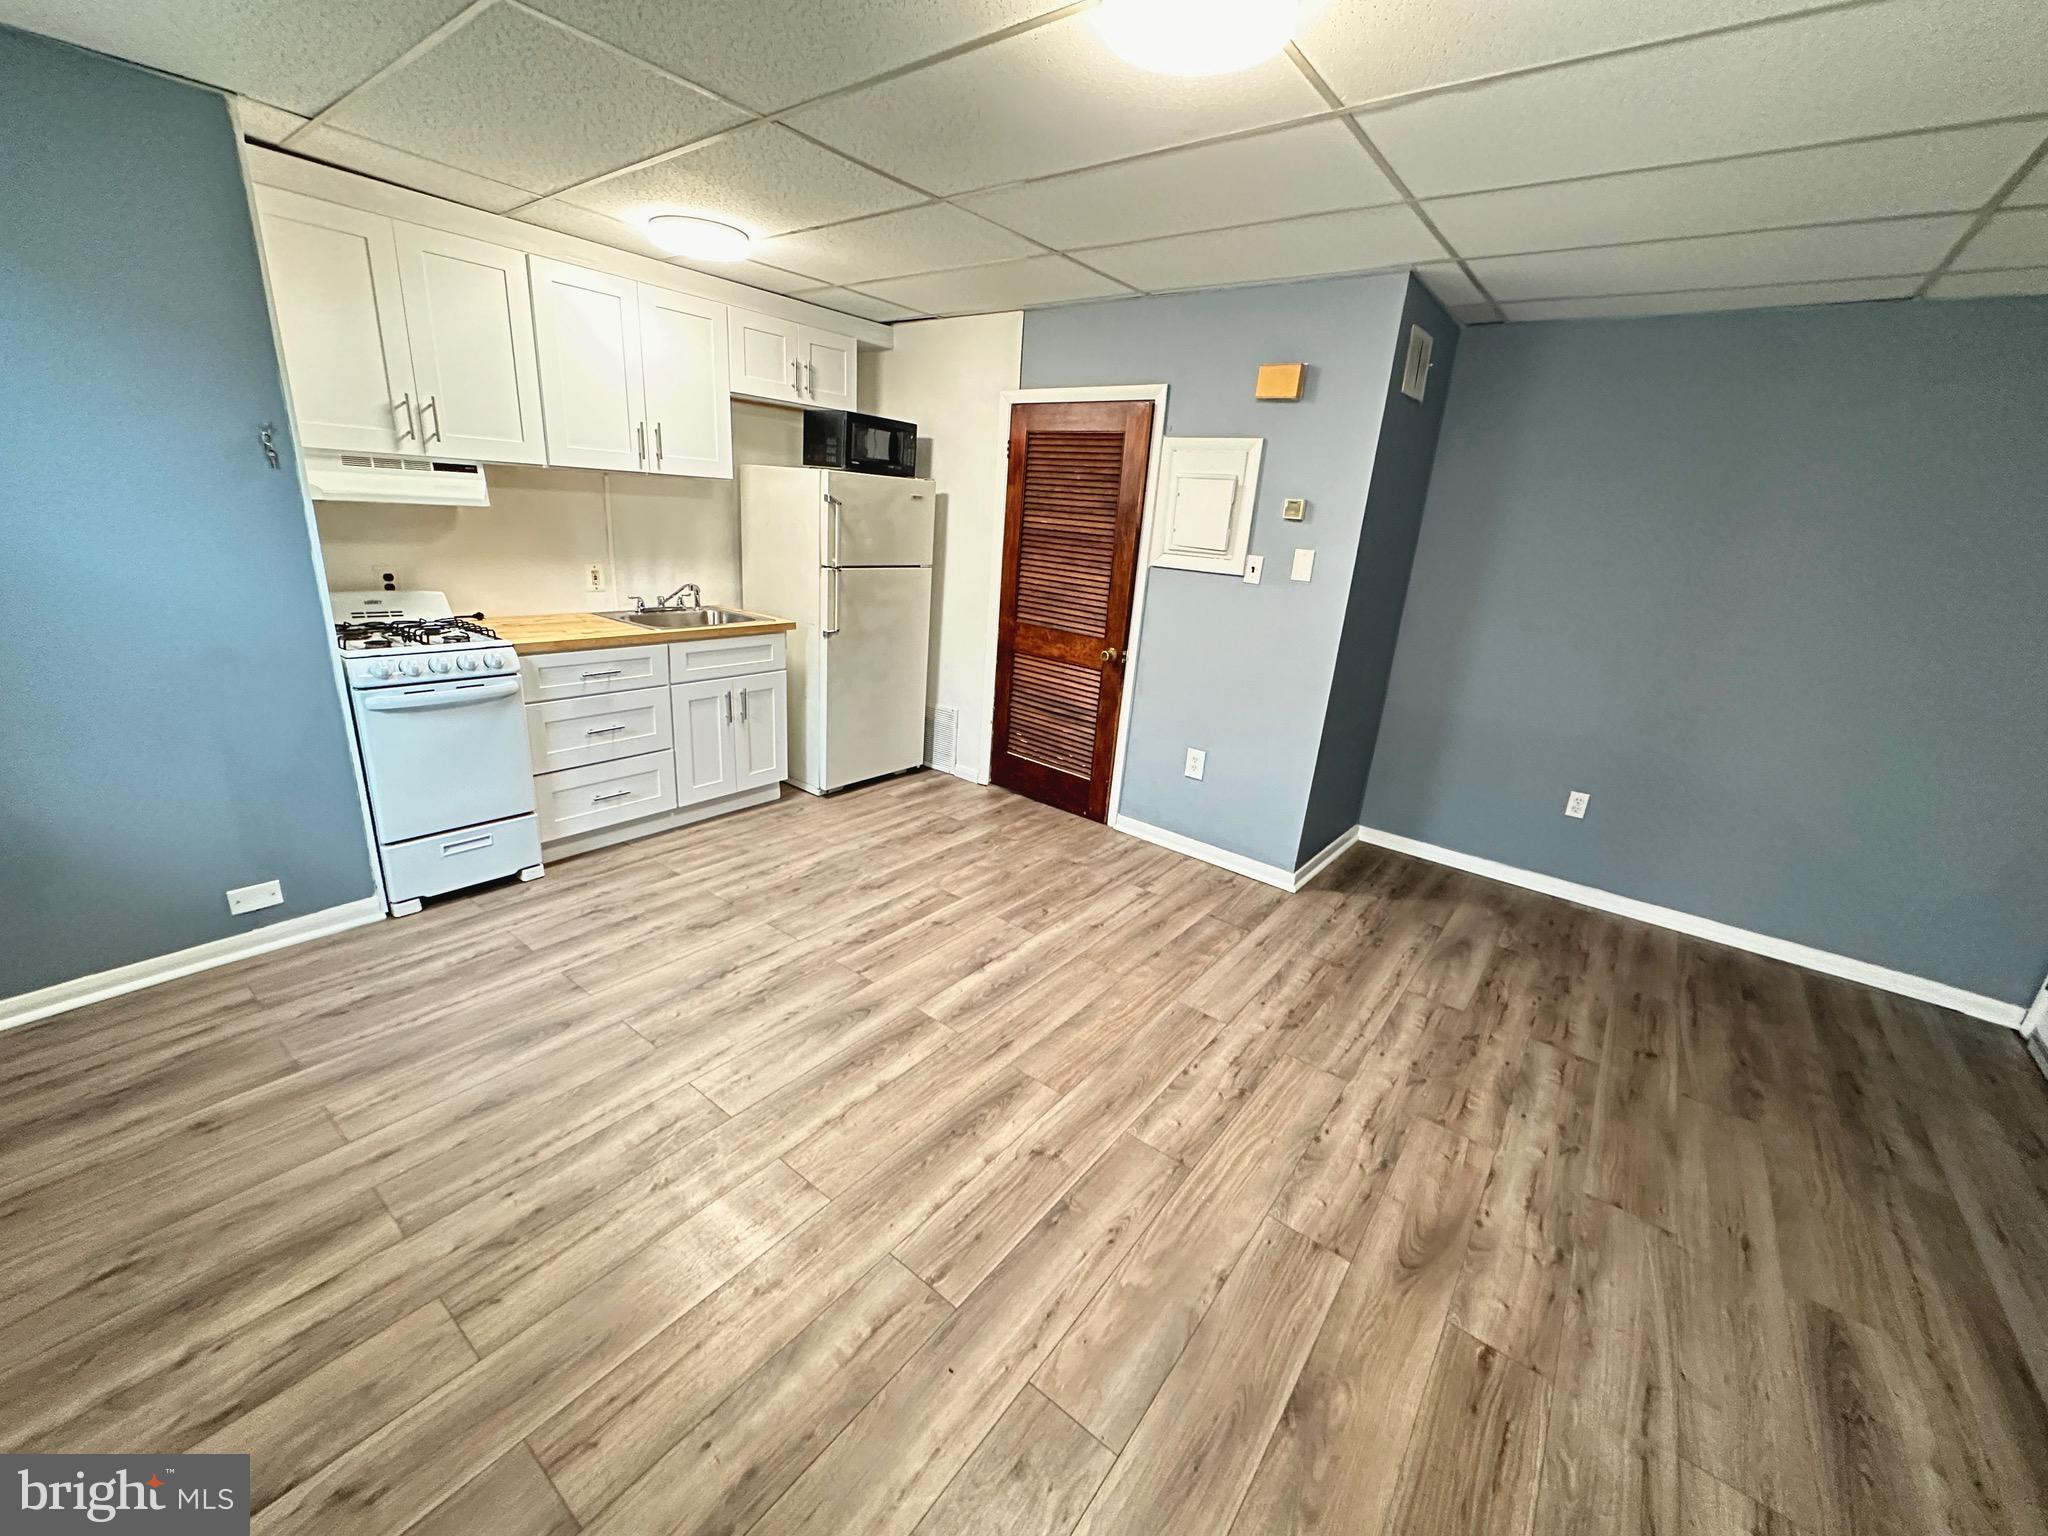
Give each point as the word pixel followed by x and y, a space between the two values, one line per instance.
pixel 380 669
pixel 413 669
pixel 439 664
pixel 494 661
pixel 467 663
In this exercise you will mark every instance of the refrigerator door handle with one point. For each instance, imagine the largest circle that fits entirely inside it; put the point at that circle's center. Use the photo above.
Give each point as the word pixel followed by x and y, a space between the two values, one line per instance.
pixel 835 532
pixel 831 627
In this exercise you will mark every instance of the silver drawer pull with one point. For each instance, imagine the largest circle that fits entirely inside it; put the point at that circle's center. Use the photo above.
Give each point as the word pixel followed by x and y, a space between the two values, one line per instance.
pixel 468 845
pixel 603 730
pixel 608 672
pixel 617 794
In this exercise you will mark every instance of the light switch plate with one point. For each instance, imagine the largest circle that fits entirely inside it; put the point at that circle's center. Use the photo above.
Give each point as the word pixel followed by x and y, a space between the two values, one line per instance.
pixel 254 898
pixel 1254 568
pixel 1304 565
pixel 1294 508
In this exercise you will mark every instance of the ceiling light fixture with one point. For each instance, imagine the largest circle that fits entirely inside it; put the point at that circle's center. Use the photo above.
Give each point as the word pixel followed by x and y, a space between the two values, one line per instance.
pixel 1196 37
pixel 700 239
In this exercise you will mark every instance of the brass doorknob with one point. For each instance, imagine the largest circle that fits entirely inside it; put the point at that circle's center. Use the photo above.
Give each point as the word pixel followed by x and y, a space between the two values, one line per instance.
pixel 1112 655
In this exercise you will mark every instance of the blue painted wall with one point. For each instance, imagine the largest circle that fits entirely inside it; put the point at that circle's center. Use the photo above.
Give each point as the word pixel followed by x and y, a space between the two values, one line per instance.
pixel 1243 672
pixel 1379 579
pixel 170 728
pixel 1774 588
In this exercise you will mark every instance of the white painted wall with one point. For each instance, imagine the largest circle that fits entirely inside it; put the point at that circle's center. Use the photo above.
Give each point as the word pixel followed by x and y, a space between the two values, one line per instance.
pixel 947 376
pixel 527 552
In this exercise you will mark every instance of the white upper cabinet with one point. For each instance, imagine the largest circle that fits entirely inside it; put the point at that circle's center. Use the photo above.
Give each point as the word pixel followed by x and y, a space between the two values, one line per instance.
pixel 592 389
pixel 831 369
pixel 470 320
pixel 340 316
pixel 764 357
pixel 632 376
pixel 401 339
pixel 775 359
pixel 689 399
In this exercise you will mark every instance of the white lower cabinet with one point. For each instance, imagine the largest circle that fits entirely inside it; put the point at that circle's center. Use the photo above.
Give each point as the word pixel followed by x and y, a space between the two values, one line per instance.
pixel 612 742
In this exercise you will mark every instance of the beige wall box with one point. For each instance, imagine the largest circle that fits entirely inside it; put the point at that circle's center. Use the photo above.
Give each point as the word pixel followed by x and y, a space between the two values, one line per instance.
pixel 1280 381
pixel 1208 486
pixel 1294 509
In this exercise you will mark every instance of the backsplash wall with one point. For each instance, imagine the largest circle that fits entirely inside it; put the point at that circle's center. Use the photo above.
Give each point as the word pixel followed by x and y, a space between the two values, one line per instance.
pixel 530 550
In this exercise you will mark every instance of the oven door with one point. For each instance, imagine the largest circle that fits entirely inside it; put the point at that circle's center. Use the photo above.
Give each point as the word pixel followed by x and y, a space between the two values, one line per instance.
pixel 442 756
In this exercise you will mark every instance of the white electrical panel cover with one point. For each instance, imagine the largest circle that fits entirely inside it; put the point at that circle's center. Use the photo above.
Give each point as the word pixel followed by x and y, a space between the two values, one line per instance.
pixel 1208 486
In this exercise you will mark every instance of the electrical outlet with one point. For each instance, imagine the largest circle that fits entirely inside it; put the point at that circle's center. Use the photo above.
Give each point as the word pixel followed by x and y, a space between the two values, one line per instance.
pixel 1198 762
pixel 593 580
pixel 254 898
pixel 389 581
pixel 1575 804
pixel 1254 568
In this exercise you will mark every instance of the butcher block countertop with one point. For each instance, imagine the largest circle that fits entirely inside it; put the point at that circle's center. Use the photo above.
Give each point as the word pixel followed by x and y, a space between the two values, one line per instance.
pixel 539 634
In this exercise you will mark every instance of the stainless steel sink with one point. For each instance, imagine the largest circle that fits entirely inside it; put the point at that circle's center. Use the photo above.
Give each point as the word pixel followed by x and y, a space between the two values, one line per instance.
pixel 686 618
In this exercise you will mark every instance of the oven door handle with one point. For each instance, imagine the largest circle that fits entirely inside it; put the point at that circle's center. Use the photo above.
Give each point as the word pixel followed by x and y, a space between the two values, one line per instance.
pixel 391 700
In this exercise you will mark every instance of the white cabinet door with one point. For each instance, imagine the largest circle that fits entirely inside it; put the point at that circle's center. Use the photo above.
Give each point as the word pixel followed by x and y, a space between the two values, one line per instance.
pixel 470 319
pixel 762 730
pixel 689 400
pixel 588 327
pixel 705 767
pixel 334 280
pixel 765 357
pixel 830 369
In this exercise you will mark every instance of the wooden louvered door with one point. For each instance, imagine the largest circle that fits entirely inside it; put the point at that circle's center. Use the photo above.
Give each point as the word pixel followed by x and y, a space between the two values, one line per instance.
pixel 1070 554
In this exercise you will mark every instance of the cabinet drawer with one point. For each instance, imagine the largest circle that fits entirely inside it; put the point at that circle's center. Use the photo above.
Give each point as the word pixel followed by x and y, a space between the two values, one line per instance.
pixel 573 674
pixel 598 729
pixel 576 800
pixel 692 660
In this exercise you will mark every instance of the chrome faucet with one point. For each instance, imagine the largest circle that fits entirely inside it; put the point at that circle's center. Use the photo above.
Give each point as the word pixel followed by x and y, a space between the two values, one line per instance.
pixel 696 597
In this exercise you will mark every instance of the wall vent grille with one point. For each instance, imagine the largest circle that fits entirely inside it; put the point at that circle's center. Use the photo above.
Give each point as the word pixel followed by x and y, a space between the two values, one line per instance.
pixel 941 737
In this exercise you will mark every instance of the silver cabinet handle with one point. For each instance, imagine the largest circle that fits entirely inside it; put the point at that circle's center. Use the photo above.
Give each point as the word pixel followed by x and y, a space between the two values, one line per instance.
pixel 796 375
pixel 405 405
pixel 590 677
pixel 603 730
pixel 657 443
pixel 728 706
pixel 640 437
pixel 811 380
pixel 617 794
pixel 433 403
pixel 743 706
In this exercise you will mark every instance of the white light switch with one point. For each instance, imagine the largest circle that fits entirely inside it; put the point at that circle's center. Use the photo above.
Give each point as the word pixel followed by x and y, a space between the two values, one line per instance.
pixel 1304 565
pixel 1197 761
pixel 254 898
pixel 1254 568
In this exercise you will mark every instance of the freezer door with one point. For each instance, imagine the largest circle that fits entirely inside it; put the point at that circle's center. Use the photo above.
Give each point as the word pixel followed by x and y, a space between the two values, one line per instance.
pixel 869 701
pixel 875 520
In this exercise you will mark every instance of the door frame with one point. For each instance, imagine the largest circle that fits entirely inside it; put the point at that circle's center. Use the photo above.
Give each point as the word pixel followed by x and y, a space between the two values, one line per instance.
pixel 1140 576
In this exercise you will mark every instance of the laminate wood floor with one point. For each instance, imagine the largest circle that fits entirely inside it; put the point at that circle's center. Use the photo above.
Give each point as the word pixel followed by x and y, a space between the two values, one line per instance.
pixel 924 1160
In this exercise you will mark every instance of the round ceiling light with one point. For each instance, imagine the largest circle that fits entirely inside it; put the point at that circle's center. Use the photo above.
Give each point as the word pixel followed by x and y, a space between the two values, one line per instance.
pixel 700 239
pixel 1196 37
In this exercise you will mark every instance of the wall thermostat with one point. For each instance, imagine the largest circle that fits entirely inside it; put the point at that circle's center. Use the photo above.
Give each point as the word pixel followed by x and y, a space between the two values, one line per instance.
pixel 1294 509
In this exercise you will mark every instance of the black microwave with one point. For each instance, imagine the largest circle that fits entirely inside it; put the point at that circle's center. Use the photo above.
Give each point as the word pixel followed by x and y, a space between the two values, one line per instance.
pixel 874 445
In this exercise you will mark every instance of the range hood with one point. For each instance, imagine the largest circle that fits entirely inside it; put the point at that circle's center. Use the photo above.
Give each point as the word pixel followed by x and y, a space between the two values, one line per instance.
pixel 395 478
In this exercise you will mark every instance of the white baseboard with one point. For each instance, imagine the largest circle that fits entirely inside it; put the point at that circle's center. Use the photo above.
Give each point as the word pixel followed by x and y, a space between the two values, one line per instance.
pixel 1883 978
pixel 26 1007
pixel 1238 864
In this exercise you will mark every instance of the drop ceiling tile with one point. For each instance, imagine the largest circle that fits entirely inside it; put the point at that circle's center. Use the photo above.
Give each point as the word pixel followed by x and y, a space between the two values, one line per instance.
pixel 926 239
pixel 300 54
pixel 770 54
pixel 1453 289
pixel 264 123
pixel 568 219
pixel 1367 52
pixel 1475 314
pixel 1028 284
pixel 847 301
pixel 1990 285
pixel 1846 73
pixel 2015 239
pixel 321 142
pixel 761 177
pixel 1309 168
pixel 1925 173
pixel 1262 253
pixel 520 100
pixel 1049 100
pixel 2032 192
pixel 1825 254
pixel 1775 296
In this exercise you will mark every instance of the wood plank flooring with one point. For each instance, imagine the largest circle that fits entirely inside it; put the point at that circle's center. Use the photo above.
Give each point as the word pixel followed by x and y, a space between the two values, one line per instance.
pixel 927 1161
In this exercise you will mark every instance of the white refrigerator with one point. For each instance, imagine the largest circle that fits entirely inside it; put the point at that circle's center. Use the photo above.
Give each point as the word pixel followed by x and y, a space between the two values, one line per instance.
pixel 848 558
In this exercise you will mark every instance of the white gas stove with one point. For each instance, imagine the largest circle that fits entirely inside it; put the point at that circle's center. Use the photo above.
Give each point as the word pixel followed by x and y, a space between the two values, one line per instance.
pixel 443 736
